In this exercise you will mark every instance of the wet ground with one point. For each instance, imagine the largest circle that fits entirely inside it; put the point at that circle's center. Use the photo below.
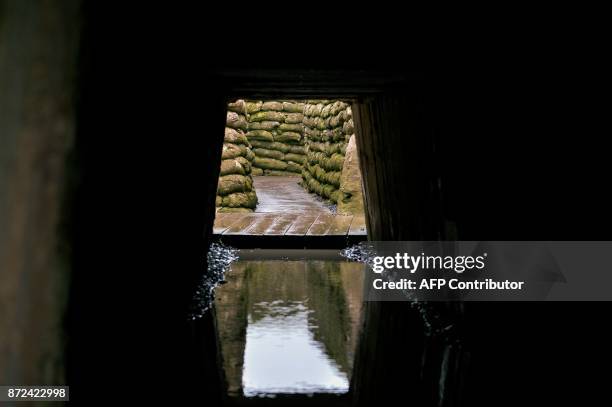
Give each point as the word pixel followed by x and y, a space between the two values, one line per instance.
pixel 287 211
pixel 287 325
pixel 283 194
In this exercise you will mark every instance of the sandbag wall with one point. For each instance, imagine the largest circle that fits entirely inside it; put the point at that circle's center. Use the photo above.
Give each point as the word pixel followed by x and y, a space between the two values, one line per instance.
pixel 328 126
pixel 276 133
pixel 235 191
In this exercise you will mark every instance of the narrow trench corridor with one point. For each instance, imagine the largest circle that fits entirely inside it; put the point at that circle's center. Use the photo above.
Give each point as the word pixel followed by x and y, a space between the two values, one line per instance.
pixel 286 209
pixel 284 194
pixel 289 174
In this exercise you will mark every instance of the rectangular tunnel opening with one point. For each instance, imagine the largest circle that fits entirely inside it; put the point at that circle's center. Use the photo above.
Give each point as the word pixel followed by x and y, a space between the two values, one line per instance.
pixel 290 175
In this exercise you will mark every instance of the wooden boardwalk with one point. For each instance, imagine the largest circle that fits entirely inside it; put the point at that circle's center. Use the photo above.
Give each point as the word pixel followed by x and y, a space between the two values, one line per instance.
pixel 287 215
pixel 288 224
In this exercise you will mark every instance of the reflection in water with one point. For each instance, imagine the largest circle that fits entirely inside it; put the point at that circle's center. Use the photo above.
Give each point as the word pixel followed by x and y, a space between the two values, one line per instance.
pixel 282 356
pixel 288 327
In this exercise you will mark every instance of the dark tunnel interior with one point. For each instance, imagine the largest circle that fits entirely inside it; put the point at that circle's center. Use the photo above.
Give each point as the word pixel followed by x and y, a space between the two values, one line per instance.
pixel 489 151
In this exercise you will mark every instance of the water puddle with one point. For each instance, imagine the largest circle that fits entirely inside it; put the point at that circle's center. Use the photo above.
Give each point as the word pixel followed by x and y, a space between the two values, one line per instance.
pixel 288 321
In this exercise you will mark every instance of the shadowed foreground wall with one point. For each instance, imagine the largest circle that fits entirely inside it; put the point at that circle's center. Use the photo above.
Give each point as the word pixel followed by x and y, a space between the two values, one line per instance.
pixel 38 54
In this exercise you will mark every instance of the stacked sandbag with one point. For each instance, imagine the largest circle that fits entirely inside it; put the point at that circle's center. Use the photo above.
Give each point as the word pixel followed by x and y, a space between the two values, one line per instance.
pixel 276 134
pixel 235 191
pixel 328 125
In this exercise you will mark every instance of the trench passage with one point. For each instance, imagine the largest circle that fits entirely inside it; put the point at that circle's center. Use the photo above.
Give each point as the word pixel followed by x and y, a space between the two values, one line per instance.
pixel 285 208
pixel 284 194
pixel 289 327
pixel 284 164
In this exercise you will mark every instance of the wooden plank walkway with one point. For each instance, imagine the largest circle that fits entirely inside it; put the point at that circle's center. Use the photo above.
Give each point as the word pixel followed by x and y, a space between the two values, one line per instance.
pixel 293 224
pixel 288 216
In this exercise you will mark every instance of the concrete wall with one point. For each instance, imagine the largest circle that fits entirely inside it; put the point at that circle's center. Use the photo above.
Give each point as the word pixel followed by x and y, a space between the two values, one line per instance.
pixel 38 54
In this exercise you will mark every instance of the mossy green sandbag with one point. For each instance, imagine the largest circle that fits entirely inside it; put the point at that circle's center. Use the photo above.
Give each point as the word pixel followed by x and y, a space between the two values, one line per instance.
pixel 306 174
pixel 333 178
pixel 296 149
pixel 232 166
pixel 338 134
pixel 316 109
pixel 293 107
pixel 321 123
pixel 294 118
pixel 333 163
pixel 238 106
pixel 310 121
pixel 297 158
pixel 298 128
pixel 267 116
pixel 235 136
pixel 272 105
pixel 315 146
pixel 262 135
pixel 312 134
pixel 256 171
pixel 326 111
pixel 315 157
pixel 348 127
pixel 265 125
pixel 269 163
pixel 325 177
pixel 327 190
pixel 245 162
pixel 288 137
pixel 339 148
pixel 249 154
pixel 315 186
pixel 272 145
pixel 229 184
pixel 233 151
pixel 338 120
pixel 262 152
pixel 337 196
pixel 327 135
pixel 253 107
pixel 329 148
pixel 294 167
pixel 240 200
pixel 337 107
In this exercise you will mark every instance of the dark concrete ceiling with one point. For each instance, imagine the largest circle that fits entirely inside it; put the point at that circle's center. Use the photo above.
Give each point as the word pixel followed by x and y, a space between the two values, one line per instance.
pixel 311 83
